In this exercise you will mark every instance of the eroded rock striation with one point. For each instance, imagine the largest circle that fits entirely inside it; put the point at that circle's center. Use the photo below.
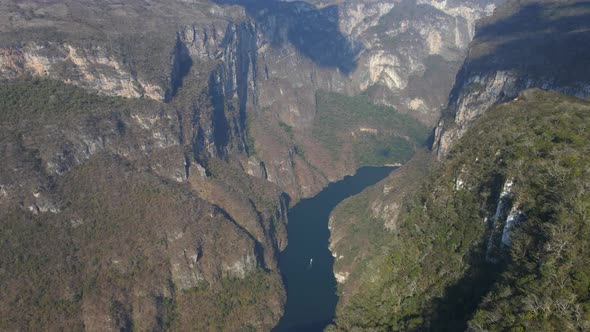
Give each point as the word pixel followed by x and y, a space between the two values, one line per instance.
pixel 151 149
pixel 512 51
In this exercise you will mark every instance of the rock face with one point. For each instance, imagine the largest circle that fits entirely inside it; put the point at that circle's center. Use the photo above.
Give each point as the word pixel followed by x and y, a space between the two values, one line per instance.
pixel 403 54
pixel 91 68
pixel 263 60
pixel 513 51
pixel 391 48
pixel 147 233
pixel 175 196
pixel 476 235
pixel 526 44
pixel 412 49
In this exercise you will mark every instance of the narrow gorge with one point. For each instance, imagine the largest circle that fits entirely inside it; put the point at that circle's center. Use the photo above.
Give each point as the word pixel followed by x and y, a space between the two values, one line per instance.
pixel 217 118
pixel 225 165
pixel 307 263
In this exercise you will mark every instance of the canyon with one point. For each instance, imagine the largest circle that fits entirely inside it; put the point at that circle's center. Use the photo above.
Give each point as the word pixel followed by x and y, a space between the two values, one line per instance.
pixel 151 150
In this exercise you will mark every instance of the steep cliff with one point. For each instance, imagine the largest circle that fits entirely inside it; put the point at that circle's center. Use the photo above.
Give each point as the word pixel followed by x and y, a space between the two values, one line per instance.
pixel 401 54
pixel 392 48
pixel 263 62
pixel 166 140
pixel 524 44
pixel 116 49
pixel 108 225
pixel 495 238
pixel 542 44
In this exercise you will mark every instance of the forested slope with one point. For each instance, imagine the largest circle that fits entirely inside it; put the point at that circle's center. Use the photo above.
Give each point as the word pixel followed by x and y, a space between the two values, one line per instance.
pixel 496 237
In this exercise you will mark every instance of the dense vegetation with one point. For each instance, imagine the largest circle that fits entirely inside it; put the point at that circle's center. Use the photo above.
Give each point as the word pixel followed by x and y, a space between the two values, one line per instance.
pixel 357 232
pixel 105 244
pixel 109 248
pixel 38 97
pixel 445 267
pixel 377 135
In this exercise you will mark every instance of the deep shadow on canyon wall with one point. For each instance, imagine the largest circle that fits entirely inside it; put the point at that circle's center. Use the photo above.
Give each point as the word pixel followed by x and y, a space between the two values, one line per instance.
pixel 523 43
pixel 314 32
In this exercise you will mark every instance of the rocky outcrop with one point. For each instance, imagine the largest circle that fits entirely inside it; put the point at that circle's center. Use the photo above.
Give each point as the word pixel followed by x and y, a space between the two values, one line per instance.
pixel 394 56
pixel 122 168
pixel 92 68
pixel 263 63
pixel 411 48
pixel 512 52
pixel 220 103
pixel 486 214
pixel 394 47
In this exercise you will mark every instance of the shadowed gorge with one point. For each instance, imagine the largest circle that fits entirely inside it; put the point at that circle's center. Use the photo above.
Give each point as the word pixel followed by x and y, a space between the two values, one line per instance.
pixel 539 40
pixel 181 66
pixel 314 32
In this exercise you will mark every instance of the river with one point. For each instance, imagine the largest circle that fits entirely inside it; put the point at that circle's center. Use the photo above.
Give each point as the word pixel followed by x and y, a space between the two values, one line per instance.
pixel 306 263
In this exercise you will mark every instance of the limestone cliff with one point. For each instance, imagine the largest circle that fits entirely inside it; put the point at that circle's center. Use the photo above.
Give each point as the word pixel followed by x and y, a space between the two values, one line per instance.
pixel 91 68
pixel 263 63
pixel 175 196
pixel 526 44
pixel 512 51
pixel 147 232
pixel 486 239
